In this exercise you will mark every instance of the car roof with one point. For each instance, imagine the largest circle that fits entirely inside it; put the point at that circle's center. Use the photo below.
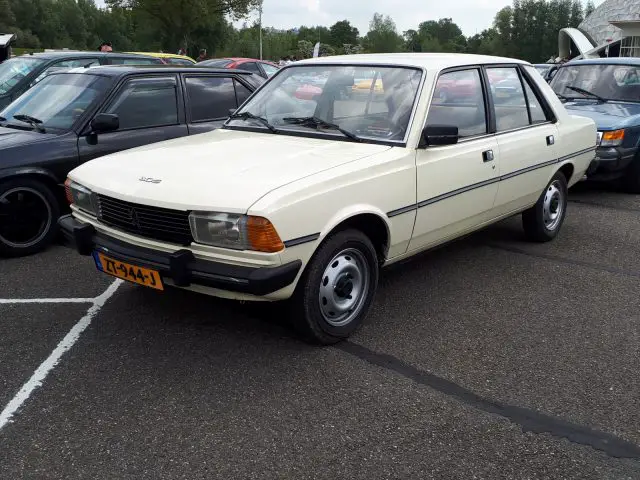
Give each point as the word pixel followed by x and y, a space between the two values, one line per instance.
pixel 163 55
pixel 78 54
pixel 121 70
pixel 606 61
pixel 433 61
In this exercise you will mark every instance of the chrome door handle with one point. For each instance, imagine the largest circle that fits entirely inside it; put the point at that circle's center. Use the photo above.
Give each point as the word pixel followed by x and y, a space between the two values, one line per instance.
pixel 487 156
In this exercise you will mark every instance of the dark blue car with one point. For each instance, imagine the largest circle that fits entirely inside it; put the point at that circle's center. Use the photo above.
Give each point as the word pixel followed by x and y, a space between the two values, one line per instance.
pixel 608 91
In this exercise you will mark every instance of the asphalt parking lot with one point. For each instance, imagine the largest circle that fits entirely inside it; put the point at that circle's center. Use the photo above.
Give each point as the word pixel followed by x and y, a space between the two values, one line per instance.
pixel 489 358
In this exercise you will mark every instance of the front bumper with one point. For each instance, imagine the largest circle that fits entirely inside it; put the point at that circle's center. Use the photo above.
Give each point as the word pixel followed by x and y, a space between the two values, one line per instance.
pixel 611 162
pixel 182 267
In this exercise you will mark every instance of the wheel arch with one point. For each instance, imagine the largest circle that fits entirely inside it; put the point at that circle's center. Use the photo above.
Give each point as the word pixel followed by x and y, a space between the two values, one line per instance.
pixel 567 169
pixel 369 220
pixel 35 173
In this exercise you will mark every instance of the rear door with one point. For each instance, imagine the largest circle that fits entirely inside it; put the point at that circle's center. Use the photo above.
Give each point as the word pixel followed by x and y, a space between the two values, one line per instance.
pixel 150 110
pixel 526 137
pixel 209 99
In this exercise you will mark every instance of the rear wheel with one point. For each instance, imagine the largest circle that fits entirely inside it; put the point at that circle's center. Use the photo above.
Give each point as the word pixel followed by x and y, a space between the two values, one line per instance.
pixel 542 222
pixel 28 215
pixel 337 289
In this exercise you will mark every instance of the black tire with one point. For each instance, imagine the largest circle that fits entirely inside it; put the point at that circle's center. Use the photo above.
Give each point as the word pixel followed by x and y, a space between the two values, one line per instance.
pixel 343 251
pixel 543 221
pixel 19 195
pixel 631 180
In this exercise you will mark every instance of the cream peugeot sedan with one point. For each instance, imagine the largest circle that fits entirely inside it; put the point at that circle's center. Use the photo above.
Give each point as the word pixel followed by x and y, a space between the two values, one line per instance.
pixel 304 199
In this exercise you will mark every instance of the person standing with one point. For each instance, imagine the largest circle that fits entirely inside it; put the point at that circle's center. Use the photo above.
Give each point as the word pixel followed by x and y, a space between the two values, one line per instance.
pixel 203 55
pixel 105 47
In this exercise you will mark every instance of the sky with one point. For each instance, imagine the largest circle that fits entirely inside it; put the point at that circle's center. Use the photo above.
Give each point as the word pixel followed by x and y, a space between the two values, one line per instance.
pixel 472 16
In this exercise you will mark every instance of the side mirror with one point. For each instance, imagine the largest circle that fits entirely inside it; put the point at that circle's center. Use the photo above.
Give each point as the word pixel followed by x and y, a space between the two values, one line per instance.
pixel 440 135
pixel 105 122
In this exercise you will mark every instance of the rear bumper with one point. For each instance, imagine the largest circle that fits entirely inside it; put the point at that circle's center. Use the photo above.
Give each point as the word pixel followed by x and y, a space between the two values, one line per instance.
pixel 181 267
pixel 611 163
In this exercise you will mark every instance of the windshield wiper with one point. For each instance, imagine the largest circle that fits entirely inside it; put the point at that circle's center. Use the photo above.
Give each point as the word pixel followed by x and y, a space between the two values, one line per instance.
pixel 318 122
pixel 36 123
pixel 251 116
pixel 587 92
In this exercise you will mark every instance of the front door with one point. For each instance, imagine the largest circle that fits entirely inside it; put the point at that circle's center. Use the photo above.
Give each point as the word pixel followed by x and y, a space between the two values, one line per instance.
pixel 456 184
pixel 526 138
pixel 149 111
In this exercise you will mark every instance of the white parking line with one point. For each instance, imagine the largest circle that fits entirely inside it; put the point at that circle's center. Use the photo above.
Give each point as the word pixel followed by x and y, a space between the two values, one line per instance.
pixel 46 300
pixel 45 367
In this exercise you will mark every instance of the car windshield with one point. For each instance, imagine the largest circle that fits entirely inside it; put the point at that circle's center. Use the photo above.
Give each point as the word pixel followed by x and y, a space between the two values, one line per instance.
pixel 14 70
pixel 57 102
pixel 372 103
pixel 607 81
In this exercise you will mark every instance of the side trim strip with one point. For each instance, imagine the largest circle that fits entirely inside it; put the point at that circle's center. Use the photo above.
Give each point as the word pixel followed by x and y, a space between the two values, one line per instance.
pixel 301 240
pixel 453 193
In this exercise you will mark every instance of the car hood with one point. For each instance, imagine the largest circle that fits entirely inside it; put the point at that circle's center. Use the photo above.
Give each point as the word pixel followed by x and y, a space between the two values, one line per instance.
pixel 223 170
pixel 10 137
pixel 608 116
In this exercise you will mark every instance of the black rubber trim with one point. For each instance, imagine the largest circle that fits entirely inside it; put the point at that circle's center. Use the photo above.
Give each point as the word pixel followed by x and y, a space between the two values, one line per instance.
pixel 181 266
pixel 301 240
pixel 468 188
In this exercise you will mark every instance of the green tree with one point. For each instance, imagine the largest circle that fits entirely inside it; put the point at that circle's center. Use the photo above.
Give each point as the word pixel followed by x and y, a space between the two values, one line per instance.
pixel 589 8
pixel 383 36
pixel 343 33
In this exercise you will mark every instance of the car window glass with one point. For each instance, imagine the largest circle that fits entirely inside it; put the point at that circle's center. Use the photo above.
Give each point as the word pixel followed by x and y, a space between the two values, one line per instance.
pixel 210 97
pixel 508 98
pixel 178 61
pixel 250 66
pixel 270 70
pixel 146 103
pixel 242 92
pixel 66 65
pixel 133 61
pixel 458 101
pixel 14 70
pixel 535 108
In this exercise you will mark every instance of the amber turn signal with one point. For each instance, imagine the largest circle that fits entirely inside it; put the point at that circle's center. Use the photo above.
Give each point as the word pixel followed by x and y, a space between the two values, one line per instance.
pixel 613 135
pixel 67 191
pixel 262 235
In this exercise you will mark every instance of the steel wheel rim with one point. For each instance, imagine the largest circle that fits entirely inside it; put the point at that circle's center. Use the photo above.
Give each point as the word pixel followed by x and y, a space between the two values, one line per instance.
pixel 553 206
pixel 344 287
pixel 14 204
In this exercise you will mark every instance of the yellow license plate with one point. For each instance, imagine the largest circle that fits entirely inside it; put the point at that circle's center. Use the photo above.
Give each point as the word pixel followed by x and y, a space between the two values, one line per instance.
pixel 126 271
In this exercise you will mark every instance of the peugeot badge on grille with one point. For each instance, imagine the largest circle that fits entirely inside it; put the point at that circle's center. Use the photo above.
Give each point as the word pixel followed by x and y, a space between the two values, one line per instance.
pixel 150 180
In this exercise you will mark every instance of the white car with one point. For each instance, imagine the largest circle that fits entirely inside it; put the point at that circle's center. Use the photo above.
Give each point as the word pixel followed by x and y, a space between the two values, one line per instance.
pixel 306 200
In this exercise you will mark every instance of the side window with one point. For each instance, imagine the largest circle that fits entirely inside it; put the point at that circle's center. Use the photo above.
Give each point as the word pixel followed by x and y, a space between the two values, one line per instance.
pixel 458 101
pixel 251 67
pixel 508 98
pixel 67 64
pixel 270 70
pixel 134 61
pixel 210 97
pixel 242 92
pixel 535 108
pixel 148 102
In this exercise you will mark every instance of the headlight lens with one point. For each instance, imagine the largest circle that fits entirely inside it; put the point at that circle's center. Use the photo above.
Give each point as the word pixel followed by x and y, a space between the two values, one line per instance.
pixel 613 138
pixel 237 232
pixel 81 197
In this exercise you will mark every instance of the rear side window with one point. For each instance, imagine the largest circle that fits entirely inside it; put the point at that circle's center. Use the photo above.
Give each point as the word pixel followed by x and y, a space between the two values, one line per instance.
pixel 148 102
pixel 458 101
pixel 251 67
pixel 516 104
pixel 210 98
pixel 242 92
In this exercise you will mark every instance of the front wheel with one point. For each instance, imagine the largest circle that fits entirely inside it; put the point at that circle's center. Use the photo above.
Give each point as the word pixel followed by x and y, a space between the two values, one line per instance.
pixel 28 214
pixel 542 222
pixel 337 289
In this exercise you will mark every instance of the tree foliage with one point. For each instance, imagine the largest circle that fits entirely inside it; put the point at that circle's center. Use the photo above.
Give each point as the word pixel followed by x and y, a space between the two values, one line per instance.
pixel 527 29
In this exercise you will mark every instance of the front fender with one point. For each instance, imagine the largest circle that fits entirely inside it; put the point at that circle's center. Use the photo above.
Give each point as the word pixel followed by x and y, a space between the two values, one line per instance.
pixel 352 211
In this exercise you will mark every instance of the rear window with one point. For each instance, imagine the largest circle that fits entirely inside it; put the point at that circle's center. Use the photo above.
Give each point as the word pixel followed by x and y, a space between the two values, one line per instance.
pixel 216 63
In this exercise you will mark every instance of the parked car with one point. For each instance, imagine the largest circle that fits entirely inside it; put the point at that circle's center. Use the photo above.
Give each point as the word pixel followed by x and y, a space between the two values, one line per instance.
pixel 259 67
pixel 20 73
pixel 170 58
pixel 287 202
pixel 608 91
pixel 547 70
pixel 6 40
pixel 72 117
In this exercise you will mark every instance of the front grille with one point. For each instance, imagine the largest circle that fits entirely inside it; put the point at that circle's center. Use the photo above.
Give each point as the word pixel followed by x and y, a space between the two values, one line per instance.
pixel 152 222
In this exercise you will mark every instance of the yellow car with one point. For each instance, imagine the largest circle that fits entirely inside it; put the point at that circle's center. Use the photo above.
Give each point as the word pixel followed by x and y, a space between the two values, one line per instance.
pixel 170 58
pixel 365 85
